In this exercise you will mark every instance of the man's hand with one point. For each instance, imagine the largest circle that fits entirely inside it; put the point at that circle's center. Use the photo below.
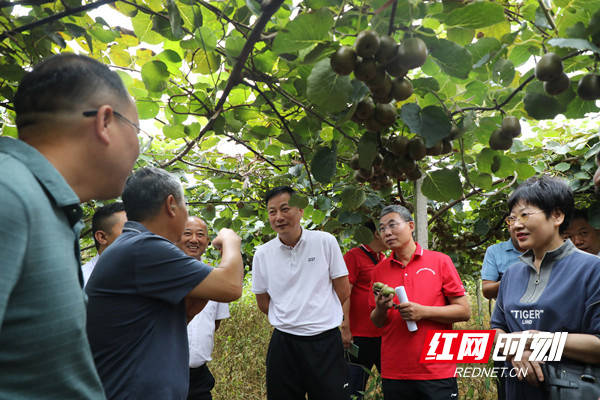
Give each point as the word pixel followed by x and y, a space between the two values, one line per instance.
pixel 384 302
pixel 534 374
pixel 346 335
pixel 227 236
pixel 411 311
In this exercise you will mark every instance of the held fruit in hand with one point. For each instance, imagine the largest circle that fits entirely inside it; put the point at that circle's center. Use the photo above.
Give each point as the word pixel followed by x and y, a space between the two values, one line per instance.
pixel 386 291
pixel 377 286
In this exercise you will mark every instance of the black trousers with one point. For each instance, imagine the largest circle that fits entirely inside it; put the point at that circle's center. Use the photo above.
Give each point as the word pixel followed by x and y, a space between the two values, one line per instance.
pixel 300 365
pixel 434 389
pixel 201 383
pixel 369 354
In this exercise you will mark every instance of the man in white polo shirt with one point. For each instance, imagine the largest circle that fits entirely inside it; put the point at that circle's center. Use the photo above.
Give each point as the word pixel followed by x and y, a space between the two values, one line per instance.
pixel 301 281
pixel 201 329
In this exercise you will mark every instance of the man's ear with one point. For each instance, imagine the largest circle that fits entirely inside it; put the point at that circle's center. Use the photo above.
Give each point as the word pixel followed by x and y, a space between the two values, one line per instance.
pixel 105 120
pixel 558 216
pixel 171 205
pixel 100 237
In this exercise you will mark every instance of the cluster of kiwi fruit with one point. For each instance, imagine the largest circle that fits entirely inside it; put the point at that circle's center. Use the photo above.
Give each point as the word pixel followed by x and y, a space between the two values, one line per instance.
pixel 549 69
pixel 380 287
pixel 382 64
pixel 502 138
pixel 398 160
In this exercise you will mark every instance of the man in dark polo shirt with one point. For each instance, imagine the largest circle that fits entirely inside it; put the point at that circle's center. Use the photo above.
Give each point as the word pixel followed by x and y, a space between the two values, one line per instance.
pixel 436 299
pixel 77 141
pixel 136 310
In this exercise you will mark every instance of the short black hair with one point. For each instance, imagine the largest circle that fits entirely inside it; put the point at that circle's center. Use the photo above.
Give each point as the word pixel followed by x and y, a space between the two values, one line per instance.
pixel 370 225
pixel 146 190
pixel 396 208
pixel 64 82
pixel 102 221
pixel 277 191
pixel 548 194
pixel 578 213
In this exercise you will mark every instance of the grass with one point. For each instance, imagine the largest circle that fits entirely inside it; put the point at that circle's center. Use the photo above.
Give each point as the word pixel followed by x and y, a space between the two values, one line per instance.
pixel 241 346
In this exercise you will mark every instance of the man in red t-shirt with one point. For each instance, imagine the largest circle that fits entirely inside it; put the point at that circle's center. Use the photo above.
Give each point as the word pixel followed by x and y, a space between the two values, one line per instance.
pixel 357 327
pixel 436 300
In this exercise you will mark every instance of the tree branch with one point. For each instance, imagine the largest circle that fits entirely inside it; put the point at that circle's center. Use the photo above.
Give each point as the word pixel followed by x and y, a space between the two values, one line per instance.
pixel 392 18
pixel 287 129
pixel 55 17
pixel 235 77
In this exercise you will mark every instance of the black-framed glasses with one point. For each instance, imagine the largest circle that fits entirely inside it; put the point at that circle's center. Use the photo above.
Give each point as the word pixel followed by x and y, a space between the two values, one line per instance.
pixel 93 113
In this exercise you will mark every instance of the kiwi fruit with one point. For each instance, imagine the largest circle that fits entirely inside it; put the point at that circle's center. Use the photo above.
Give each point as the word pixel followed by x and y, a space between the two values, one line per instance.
pixel 499 140
pixel 406 164
pixel 446 146
pixel 385 114
pixel 589 87
pixel 416 149
pixel 365 69
pixel 511 126
pixel 455 132
pixel 414 174
pixel 354 162
pixel 387 291
pixel 343 61
pixel 558 85
pixel 412 53
pixel 402 89
pixel 373 125
pixel 435 150
pixel 594 28
pixel 367 43
pixel 397 145
pixel 377 286
pixel 365 109
pixel 387 49
pixel 395 67
pixel 380 78
pixel 549 67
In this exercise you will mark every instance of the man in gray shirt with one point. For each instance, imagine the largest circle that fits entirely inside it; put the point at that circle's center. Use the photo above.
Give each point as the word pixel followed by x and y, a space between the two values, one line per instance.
pixel 76 142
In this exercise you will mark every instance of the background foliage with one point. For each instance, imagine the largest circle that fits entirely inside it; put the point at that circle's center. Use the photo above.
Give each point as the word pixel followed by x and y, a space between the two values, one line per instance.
pixel 257 74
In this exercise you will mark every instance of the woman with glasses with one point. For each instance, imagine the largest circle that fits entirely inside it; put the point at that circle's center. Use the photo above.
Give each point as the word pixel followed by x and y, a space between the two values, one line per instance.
pixel 553 288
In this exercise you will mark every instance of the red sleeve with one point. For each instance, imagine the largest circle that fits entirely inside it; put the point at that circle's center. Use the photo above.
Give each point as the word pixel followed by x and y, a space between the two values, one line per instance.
pixel 452 286
pixel 352 265
pixel 374 278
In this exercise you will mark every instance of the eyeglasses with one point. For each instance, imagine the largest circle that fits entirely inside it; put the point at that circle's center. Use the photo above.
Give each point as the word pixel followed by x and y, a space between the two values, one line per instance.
pixel 511 220
pixel 391 226
pixel 93 113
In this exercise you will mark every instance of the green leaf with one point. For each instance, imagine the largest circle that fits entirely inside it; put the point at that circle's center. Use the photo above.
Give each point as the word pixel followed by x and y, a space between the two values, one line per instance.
pixel 174 131
pixel 155 75
pixel 323 164
pixel 11 72
pixel 476 15
pixel 147 109
pixel 562 167
pixel 411 116
pixel 579 44
pixel 435 125
pixel 304 31
pixel 328 90
pixel 452 58
pixel 462 36
pixel 234 46
pixel 174 19
pixel 541 106
pixel 485 159
pixel 425 85
pixel 367 150
pixel 506 168
pixel 142 26
pixel 352 198
pixel 297 200
pixel 525 171
pixel 348 217
pixel 362 234
pixel 503 72
pixel 442 185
